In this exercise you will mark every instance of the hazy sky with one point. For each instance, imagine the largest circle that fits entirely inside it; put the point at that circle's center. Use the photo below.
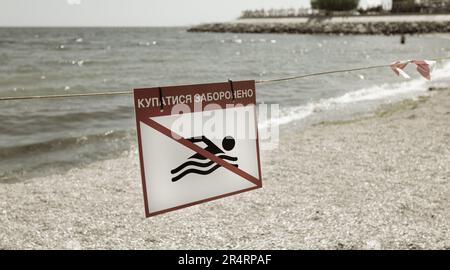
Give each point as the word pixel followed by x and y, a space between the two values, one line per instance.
pixel 132 12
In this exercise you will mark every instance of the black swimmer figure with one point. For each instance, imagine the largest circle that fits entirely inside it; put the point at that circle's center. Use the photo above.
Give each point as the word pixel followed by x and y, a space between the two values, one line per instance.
pixel 228 144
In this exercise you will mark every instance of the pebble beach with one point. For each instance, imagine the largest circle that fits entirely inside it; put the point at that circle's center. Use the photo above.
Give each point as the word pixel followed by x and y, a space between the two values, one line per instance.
pixel 380 181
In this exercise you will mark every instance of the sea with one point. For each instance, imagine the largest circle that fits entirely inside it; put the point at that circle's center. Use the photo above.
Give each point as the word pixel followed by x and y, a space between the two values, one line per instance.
pixel 39 137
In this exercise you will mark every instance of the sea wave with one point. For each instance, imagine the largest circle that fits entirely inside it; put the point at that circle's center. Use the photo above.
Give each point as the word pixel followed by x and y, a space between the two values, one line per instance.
pixel 382 92
pixel 112 139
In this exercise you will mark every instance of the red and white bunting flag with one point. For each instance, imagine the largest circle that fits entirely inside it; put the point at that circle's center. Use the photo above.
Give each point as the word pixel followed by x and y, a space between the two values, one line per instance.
pixel 398 67
pixel 424 67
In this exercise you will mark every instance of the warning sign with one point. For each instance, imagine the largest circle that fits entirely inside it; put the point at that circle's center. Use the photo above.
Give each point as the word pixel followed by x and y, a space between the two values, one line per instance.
pixel 196 143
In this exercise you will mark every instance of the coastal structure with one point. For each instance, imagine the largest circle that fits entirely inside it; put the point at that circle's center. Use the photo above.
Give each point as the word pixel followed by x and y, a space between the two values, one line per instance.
pixel 354 25
pixel 405 17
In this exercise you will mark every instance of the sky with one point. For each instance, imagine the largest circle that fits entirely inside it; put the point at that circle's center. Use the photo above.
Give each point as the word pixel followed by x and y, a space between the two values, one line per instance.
pixel 133 12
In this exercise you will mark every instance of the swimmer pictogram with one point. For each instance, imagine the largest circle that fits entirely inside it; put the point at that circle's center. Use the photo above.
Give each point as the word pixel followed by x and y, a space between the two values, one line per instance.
pixel 194 165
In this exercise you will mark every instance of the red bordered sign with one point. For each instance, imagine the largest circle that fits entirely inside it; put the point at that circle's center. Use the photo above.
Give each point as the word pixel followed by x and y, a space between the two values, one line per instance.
pixel 197 143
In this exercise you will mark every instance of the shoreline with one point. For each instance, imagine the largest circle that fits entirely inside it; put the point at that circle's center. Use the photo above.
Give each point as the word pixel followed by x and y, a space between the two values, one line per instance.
pixel 378 182
pixel 350 25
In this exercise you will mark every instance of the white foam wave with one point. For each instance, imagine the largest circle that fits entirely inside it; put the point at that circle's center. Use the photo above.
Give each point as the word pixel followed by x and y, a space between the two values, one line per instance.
pixel 288 115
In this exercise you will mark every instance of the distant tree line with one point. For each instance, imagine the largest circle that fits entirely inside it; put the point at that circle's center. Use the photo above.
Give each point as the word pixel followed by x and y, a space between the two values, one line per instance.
pixel 317 7
pixel 378 9
pixel 423 6
pixel 402 6
pixel 335 5
pixel 274 13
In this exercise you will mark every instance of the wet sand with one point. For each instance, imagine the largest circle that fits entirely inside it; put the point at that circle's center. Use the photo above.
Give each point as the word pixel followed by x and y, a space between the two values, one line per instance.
pixel 377 182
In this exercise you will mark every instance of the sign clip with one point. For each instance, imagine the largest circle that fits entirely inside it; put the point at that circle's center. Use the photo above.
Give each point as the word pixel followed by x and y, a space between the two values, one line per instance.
pixel 232 89
pixel 161 106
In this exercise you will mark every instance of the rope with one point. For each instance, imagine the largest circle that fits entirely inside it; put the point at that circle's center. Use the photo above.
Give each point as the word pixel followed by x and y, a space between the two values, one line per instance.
pixel 336 71
pixel 319 74
pixel 113 93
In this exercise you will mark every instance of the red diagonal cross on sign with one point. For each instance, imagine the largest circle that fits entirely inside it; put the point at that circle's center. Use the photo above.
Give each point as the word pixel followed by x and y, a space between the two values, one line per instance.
pixel 169 133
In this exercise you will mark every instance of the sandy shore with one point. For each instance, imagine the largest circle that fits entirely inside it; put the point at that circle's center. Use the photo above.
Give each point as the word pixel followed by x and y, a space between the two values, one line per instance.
pixel 377 182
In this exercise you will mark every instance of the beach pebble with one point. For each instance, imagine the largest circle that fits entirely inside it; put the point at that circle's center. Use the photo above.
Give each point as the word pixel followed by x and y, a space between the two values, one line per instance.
pixel 73 245
pixel 373 244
